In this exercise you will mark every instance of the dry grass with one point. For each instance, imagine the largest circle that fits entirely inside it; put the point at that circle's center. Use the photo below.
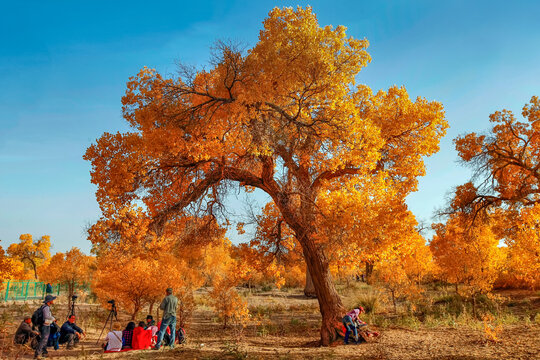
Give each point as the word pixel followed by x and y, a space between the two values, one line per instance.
pixel 285 325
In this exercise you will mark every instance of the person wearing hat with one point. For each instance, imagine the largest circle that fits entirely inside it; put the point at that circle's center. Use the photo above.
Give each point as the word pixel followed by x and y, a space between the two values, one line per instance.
pixel 24 333
pixel 169 306
pixel 45 328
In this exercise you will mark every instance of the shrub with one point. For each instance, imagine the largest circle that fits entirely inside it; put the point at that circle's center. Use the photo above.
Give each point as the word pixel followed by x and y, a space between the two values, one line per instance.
pixel 370 301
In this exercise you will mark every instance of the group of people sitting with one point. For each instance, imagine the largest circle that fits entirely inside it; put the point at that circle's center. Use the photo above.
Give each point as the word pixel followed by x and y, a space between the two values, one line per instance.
pixel 136 337
pixel 147 335
pixel 69 334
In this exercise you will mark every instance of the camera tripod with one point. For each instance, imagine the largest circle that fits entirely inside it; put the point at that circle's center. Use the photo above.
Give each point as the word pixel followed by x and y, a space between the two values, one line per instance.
pixel 110 318
pixel 72 309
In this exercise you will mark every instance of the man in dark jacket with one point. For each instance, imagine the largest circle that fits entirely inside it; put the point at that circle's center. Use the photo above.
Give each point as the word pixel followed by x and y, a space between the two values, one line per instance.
pixel 70 333
pixel 24 333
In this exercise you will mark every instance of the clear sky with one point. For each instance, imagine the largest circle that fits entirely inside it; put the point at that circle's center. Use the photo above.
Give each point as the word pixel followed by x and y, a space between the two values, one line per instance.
pixel 64 65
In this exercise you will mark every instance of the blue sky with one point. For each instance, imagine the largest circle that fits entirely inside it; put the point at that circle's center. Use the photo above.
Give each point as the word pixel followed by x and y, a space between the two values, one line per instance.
pixel 64 65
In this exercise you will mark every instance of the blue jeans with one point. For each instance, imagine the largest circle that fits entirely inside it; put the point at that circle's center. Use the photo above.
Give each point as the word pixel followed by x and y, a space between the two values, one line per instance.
pixel 168 322
pixel 44 331
pixel 350 328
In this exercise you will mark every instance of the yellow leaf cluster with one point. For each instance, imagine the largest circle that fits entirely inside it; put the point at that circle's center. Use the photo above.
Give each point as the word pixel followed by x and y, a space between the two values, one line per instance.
pixel 33 254
pixel 467 254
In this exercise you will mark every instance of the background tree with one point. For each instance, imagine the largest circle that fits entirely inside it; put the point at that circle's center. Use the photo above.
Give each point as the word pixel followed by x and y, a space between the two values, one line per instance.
pixel 73 269
pixel 523 246
pixel 182 257
pixel 403 267
pixel 285 117
pixel 128 280
pixel 506 183
pixel 32 253
pixel 467 254
pixel 228 304
pixel 8 267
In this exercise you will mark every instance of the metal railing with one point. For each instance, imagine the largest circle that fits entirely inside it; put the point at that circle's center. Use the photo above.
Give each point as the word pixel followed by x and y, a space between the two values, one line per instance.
pixel 25 290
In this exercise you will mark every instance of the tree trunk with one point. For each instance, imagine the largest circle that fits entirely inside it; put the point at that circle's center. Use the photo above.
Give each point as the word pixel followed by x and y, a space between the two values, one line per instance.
pixel 34 266
pixel 302 221
pixel 474 305
pixel 136 309
pixel 394 300
pixel 71 292
pixel 330 303
pixel 151 308
pixel 369 271
pixel 309 289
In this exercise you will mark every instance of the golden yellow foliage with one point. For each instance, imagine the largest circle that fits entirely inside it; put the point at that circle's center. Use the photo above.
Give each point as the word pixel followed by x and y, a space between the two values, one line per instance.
pixel 285 117
pixel 506 160
pixel 403 266
pixel 32 254
pixel 467 254
pixel 8 266
pixel 523 241
pixel 72 268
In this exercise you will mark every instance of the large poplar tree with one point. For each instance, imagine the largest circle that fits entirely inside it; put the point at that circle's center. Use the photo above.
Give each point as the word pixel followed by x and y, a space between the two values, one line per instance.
pixel 284 117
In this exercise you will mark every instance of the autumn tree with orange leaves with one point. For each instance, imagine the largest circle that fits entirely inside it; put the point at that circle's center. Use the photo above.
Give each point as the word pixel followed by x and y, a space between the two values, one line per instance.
pixel 402 267
pixel 506 163
pixel 8 266
pixel 467 254
pixel 285 117
pixel 32 254
pixel 135 266
pixel 73 269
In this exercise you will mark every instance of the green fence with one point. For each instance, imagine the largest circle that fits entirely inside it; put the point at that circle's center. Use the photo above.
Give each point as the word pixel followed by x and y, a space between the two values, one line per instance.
pixel 33 289
pixel 25 290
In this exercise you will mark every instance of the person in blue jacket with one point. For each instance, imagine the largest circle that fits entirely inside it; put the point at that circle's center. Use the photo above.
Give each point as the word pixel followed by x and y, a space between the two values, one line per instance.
pixel 70 333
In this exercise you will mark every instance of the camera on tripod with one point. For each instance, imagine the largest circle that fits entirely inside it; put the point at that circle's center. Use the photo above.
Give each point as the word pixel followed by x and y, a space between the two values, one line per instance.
pixel 72 309
pixel 113 315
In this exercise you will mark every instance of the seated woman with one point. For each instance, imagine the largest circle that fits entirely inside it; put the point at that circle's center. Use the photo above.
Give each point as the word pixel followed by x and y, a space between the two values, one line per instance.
pixel 142 339
pixel 349 321
pixel 127 335
pixel 113 340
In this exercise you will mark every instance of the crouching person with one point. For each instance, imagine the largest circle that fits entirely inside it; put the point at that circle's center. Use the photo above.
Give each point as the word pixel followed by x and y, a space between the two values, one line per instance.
pixel 350 323
pixel 24 334
pixel 70 333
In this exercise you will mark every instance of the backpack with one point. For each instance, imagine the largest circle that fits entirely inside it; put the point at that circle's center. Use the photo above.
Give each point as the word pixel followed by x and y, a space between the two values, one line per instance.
pixel 37 317
pixel 181 335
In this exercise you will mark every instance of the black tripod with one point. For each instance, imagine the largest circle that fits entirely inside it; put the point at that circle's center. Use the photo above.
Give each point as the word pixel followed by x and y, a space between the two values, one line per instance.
pixel 72 310
pixel 110 318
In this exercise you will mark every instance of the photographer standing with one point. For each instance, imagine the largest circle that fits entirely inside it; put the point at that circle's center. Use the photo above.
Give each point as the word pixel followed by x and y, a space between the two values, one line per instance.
pixel 45 319
pixel 169 306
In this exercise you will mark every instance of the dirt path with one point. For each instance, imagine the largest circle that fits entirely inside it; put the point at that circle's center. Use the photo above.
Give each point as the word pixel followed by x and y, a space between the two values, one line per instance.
pixel 286 327
pixel 518 342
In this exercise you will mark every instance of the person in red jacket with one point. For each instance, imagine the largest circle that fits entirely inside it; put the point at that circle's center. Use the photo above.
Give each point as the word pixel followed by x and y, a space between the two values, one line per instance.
pixel 142 339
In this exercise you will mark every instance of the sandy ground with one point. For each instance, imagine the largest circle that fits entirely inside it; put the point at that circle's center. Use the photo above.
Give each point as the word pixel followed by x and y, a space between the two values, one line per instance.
pixel 293 334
